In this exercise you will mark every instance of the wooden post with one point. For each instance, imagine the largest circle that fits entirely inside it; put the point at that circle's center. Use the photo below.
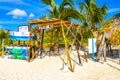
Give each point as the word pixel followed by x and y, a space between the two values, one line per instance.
pixel 42 42
pixel 51 47
pixel 33 52
pixel 29 28
pixel 105 51
pixel 119 57
pixel 79 57
pixel 101 47
pixel 77 48
pixel 24 43
pixel 2 47
pixel 18 42
pixel 85 54
pixel 28 45
pixel 66 49
pixel 119 54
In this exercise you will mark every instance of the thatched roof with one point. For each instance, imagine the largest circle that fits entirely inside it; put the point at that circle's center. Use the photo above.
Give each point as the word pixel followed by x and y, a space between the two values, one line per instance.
pixel 50 22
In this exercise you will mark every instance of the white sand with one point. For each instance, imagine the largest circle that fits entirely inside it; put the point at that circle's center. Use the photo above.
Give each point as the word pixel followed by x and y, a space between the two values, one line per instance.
pixel 49 68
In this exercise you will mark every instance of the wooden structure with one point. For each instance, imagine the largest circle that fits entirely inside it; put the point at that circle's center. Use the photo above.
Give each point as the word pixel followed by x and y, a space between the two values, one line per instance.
pixel 54 23
pixel 109 37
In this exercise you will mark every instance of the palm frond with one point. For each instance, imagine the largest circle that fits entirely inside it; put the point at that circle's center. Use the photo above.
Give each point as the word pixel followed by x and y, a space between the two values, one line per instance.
pixel 49 2
pixel 65 3
pixel 68 13
pixel 43 17
pixel 93 1
pixel 104 9
pixel 87 2
pixel 82 6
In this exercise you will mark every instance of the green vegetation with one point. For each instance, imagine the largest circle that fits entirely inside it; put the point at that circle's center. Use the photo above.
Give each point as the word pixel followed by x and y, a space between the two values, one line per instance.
pixel 61 12
pixel 90 16
pixel 4 35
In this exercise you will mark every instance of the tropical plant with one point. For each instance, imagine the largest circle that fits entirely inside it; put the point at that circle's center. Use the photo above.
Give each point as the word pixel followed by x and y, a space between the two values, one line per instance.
pixel 4 35
pixel 94 17
pixel 94 14
pixel 115 39
pixel 7 38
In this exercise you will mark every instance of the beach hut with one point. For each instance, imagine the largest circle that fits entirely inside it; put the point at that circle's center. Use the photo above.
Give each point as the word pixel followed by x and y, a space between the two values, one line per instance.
pixel 43 24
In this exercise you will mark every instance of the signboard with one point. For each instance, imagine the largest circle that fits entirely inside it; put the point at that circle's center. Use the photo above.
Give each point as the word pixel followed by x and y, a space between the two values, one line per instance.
pixel 23 28
pixel 92 47
pixel 19 35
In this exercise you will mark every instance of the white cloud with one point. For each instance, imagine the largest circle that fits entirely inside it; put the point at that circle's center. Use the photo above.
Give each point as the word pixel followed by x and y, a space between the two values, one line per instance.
pixel 113 10
pixel 31 15
pixel 17 13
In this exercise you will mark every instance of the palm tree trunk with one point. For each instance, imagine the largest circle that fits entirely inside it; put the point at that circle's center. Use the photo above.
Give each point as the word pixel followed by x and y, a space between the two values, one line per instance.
pixel 101 47
pixel 79 57
pixel 77 48
pixel 105 51
pixel 42 43
pixel 56 47
pixel 51 45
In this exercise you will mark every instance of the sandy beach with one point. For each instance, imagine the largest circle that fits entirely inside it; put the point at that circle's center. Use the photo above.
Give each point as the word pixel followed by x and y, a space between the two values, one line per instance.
pixel 49 68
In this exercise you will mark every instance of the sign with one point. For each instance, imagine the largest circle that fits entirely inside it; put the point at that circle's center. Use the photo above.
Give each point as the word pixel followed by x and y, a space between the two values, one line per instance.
pixel 92 47
pixel 19 35
pixel 15 33
pixel 23 28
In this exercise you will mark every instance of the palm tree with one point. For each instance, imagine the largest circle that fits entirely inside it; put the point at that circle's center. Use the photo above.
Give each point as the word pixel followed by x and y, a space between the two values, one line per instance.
pixel 64 11
pixel 94 14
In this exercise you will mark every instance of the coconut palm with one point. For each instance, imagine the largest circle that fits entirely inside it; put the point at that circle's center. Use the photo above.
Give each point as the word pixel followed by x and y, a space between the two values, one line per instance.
pixel 94 14
pixel 64 11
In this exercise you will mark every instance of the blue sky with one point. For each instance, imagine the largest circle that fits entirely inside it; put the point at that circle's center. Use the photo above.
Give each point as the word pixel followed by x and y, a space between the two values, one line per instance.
pixel 16 12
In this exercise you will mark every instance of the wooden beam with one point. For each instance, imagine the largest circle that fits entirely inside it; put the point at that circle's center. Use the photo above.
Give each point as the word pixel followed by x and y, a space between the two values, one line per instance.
pixel 53 22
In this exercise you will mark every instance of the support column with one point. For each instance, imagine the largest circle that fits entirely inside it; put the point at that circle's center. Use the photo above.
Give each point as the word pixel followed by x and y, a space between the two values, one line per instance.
pixel 42 42
pixel 51 46
pixel 77 48
pixel 2 47
pixel 119 55
pixel 105 52
pixel 29 28
pixel 28 45
pixel 66 49
pixel 85 54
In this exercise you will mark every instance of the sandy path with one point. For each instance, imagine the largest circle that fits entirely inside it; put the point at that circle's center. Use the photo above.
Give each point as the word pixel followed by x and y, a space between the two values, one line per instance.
pixel 48 68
